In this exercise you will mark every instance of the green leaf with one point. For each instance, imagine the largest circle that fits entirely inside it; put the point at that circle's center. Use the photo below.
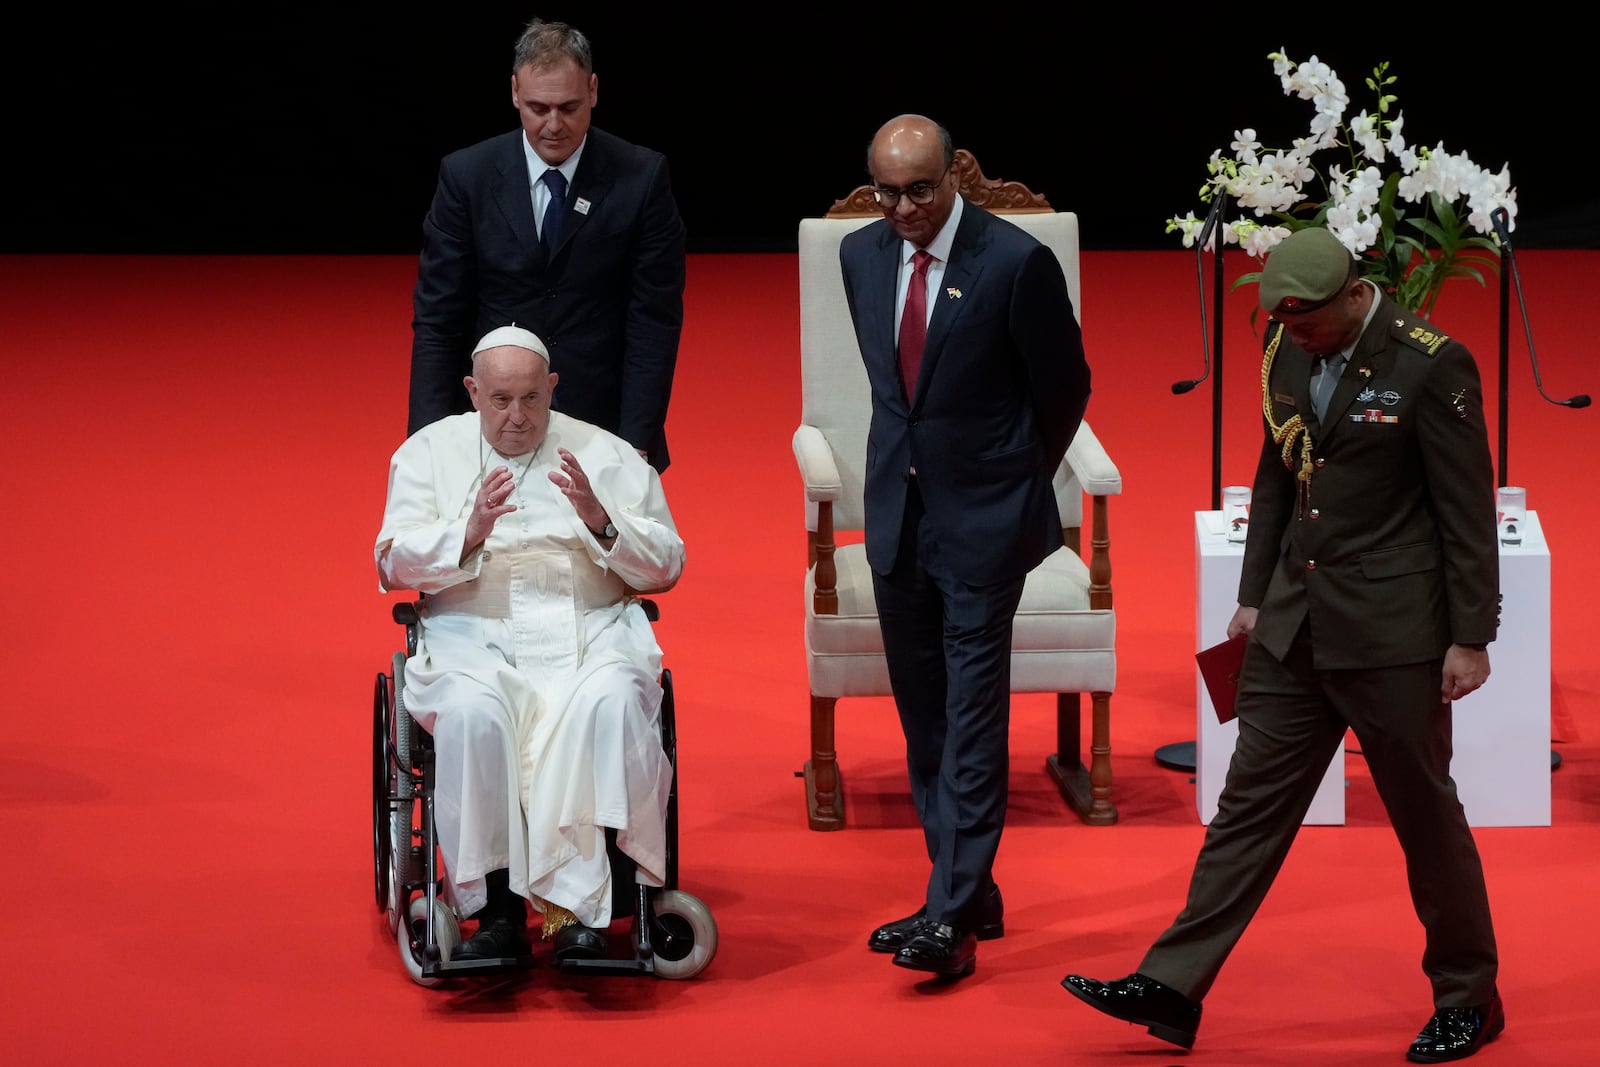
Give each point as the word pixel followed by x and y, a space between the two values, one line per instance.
pixel 1245 279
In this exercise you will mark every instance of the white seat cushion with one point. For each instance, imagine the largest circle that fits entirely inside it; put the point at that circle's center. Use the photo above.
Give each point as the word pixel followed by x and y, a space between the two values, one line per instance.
pixel 1058 643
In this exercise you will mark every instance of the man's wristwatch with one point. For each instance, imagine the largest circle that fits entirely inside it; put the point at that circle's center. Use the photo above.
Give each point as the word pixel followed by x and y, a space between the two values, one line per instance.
pixel 605 534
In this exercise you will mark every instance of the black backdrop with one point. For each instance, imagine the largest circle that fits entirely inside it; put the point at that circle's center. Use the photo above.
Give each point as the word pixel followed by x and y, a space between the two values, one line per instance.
pixel 320 130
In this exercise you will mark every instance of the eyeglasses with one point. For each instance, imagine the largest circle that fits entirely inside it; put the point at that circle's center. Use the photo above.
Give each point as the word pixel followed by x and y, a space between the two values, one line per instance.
pixel 920 193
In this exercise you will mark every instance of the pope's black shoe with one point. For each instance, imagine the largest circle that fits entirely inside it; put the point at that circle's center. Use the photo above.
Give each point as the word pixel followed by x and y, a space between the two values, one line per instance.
pixel 1456 1033
pixel 892 936
pixel 497 938
pixel 940 949
pixel 1166 1013
pixel 578 942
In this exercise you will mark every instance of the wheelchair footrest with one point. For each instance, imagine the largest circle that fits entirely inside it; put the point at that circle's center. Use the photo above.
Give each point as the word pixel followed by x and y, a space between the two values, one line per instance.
pixel 645 966
pixel 461 968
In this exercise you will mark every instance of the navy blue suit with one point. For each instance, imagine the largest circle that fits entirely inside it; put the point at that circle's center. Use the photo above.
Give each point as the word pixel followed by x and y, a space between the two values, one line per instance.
pixel 608 302
pixel 1001 391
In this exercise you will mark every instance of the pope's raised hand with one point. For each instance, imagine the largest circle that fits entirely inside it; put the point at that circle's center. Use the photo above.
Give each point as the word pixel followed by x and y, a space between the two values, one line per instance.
pixel 488 506
pixel 574 485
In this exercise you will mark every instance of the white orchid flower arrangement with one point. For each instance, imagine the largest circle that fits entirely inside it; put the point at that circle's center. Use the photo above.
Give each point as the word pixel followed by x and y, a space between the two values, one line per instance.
pixel 1409 252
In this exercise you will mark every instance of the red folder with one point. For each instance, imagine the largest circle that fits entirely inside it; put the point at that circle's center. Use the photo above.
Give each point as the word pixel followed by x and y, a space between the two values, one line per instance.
pixel 1219 669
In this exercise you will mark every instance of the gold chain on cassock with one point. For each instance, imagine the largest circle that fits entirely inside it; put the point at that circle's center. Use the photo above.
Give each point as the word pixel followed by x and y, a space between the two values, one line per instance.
pixel 1284 435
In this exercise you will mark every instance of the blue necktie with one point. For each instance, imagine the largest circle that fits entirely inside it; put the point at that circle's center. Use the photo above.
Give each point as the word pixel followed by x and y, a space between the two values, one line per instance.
pixel 555 211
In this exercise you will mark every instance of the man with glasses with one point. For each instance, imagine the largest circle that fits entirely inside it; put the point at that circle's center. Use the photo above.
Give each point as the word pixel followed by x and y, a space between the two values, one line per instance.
pixel 978 383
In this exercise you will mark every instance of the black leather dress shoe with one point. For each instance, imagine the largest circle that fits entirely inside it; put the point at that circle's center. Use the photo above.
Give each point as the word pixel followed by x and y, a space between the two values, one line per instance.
pixel 940 949
pixel 1166 1013
pixel 1456 1033
pixel 500 938
pixel 892 936
pixel 577 942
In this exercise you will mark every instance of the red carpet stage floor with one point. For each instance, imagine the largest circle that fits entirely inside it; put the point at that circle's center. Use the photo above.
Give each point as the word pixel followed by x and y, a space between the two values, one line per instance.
pixel 194 466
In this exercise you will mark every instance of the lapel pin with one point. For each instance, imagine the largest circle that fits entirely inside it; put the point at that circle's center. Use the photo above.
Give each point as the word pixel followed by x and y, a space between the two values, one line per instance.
pixel 582 206
pixel 953 293
pixel 1365 372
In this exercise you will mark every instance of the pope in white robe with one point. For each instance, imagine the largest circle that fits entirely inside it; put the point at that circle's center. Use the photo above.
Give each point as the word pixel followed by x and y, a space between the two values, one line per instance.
pixel 536 670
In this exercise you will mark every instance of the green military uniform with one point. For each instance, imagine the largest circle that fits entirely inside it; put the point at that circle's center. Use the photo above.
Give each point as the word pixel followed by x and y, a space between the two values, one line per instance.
pixel 1372 549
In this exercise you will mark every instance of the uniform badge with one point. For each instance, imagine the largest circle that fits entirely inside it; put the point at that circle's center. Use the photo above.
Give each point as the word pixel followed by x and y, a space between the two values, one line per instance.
pixel 1458 401
pixel 1367 396
pixel 1365 372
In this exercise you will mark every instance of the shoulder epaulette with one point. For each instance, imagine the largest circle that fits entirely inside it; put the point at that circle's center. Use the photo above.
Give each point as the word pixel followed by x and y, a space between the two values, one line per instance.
pixel 1418 334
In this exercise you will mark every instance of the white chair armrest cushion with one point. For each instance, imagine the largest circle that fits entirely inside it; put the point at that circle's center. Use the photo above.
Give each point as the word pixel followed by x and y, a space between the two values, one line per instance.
pixel 1091 465
pixel 818 470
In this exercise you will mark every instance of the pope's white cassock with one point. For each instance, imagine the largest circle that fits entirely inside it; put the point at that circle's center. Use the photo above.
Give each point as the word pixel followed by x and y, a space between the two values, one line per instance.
pixel 536 671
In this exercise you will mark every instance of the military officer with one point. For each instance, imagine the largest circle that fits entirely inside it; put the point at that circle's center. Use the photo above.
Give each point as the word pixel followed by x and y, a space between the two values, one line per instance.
pixel 1369 593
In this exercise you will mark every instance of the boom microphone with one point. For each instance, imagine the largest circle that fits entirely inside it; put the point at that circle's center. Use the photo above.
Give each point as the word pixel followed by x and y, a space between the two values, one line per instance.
pixel 1500 217
pixel 1215 216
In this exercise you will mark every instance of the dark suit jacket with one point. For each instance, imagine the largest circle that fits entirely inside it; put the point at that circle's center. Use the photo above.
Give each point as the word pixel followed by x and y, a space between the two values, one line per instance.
pixel 608 302
pixel 1392 551
pixel 1002 388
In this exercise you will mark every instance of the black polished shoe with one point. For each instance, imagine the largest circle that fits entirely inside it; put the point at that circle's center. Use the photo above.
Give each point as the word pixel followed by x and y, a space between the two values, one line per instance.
pixel 577 942
pixel 1456 1033
pixel 892 937
pixel 499 938
pixel 940 949
pixel 1166 1013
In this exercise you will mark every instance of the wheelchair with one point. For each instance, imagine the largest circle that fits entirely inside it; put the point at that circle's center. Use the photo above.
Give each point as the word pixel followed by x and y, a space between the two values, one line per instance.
pixel 673 933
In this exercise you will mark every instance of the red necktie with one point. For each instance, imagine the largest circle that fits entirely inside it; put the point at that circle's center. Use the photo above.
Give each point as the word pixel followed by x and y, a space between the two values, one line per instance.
pixel 914 322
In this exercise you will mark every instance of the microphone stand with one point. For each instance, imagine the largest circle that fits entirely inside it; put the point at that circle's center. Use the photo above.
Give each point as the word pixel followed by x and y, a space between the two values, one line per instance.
pixel 1501 219
pixel 1505 358
pixel 1184 755
pixel 1217 293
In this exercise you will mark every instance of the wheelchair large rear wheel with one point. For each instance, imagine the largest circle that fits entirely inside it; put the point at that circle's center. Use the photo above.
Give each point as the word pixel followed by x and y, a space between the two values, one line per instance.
pixel 382 790
pixel 406 870
pixel 683 934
